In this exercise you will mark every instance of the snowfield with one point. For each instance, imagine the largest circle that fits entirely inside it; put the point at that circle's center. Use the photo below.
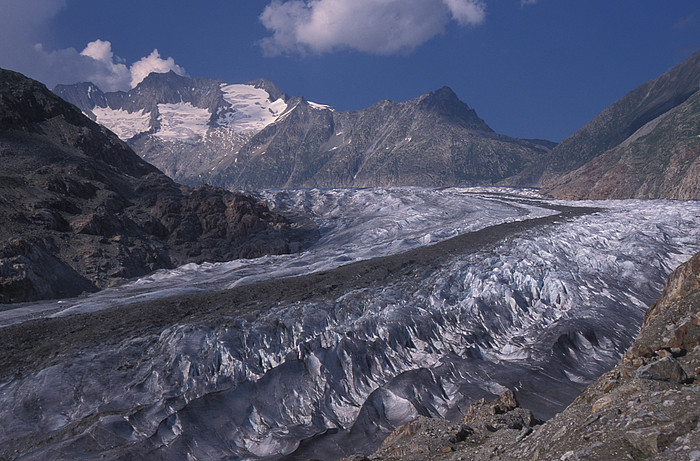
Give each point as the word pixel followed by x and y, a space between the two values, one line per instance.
pixel 124 124
pixel 251 109
pixel 543 311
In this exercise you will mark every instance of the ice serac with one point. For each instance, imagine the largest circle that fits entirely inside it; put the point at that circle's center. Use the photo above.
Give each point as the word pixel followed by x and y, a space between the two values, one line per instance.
pixel 81 211
pixel 257 137
pixel 308 356
pixel 644 145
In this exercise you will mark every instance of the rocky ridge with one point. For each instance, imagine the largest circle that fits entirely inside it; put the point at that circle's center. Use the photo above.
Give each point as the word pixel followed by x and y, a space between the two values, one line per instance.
pixel 81 211
pixel 184 126
pixel 432 140
pixel 647 407
pixel 644 145
pixel 662 159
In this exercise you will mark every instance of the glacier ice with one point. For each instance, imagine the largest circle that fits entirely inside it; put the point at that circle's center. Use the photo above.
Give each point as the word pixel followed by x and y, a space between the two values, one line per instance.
pixel 543 311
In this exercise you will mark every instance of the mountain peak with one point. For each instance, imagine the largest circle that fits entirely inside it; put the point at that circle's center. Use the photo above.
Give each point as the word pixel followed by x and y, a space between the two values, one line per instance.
pixel 264 84
pixel 445 103
pixel 158 79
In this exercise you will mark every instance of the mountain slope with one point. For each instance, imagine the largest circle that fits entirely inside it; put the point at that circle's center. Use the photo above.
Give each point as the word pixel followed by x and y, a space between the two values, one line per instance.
pixel 184 126
pixel 617 127
pixel 432 140
pixel 661 160
pixel 81 211
pixel 252 136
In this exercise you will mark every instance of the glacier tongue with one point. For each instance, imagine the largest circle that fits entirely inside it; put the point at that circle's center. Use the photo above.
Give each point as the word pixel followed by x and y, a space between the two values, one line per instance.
pixel 543 311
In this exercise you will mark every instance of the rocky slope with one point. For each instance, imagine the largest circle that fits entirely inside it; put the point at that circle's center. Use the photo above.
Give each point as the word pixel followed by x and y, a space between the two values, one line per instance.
pixel 81 211
pixel 645 145
pixel 434 140
pixel 661 160
pixel 201 130
pixel 647 407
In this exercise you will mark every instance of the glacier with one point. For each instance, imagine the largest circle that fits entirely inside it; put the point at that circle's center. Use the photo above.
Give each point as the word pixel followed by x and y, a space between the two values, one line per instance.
pixel 543 308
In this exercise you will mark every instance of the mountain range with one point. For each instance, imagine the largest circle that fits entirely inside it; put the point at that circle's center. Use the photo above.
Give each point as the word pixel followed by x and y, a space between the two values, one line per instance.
pixel 81 211
pixel 253 136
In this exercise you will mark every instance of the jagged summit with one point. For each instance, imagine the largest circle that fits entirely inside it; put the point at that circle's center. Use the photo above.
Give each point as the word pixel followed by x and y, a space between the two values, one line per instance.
pixel 445 103
pixel 271 88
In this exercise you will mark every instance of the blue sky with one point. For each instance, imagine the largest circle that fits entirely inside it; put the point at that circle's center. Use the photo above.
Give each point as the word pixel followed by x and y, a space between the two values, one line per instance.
pixel 530 68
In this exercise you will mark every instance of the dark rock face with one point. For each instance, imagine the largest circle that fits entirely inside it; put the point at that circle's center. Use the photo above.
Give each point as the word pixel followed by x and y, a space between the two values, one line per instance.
pixel 643 146
pixel 82 211
pixel 647 407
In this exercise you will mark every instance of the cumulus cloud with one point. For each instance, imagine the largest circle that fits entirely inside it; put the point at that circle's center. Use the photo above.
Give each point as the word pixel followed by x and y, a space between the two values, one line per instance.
pixel 153 63
pixel 108 75
pixel 466 12
pixel 22 23
pixel 97 64
pixel 372 26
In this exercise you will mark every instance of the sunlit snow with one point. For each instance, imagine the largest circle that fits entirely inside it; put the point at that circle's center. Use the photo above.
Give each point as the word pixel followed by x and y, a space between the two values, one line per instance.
pixel 124 124
pixel 317 106
pixel 182 122
pixel 251 108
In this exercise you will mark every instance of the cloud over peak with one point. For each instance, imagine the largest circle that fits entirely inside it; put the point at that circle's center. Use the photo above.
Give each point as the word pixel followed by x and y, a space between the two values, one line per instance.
pixel 21 49
pixel 153 63
pixel 381 27
pixel 110 75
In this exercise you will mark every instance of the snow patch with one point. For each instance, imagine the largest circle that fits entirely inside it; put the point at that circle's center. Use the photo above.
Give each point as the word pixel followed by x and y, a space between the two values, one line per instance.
pixel 251 108
pixel 317 106
pixel 124 124
pixel 182 122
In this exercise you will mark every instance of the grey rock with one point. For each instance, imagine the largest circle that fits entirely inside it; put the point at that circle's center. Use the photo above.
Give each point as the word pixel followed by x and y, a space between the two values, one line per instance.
pixel 642 146
pixel 665 369
pixel 85 212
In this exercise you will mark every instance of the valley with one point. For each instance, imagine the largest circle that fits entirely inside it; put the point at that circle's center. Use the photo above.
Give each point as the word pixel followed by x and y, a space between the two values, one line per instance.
pixel 430 316
pixel 346 273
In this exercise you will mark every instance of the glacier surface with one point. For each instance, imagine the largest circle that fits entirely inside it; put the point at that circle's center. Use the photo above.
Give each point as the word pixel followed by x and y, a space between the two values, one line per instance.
pixel 543 311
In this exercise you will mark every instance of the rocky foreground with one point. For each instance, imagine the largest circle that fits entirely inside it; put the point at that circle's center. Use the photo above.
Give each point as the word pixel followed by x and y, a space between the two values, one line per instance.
pixel 80 211
pixel 647 407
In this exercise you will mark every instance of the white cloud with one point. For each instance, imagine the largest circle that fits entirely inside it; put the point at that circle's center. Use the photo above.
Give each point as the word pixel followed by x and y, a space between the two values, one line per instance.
pixel 153 63
pixel 527 2
pixel 69 66
pixel 97 64
pixel 467 12
pixel 23 22
pixel 372 26
pixel 109 75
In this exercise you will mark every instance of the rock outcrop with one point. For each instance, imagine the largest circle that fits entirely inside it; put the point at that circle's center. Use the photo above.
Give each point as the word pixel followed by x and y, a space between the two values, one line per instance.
pixel 647 407
pixel 81 211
